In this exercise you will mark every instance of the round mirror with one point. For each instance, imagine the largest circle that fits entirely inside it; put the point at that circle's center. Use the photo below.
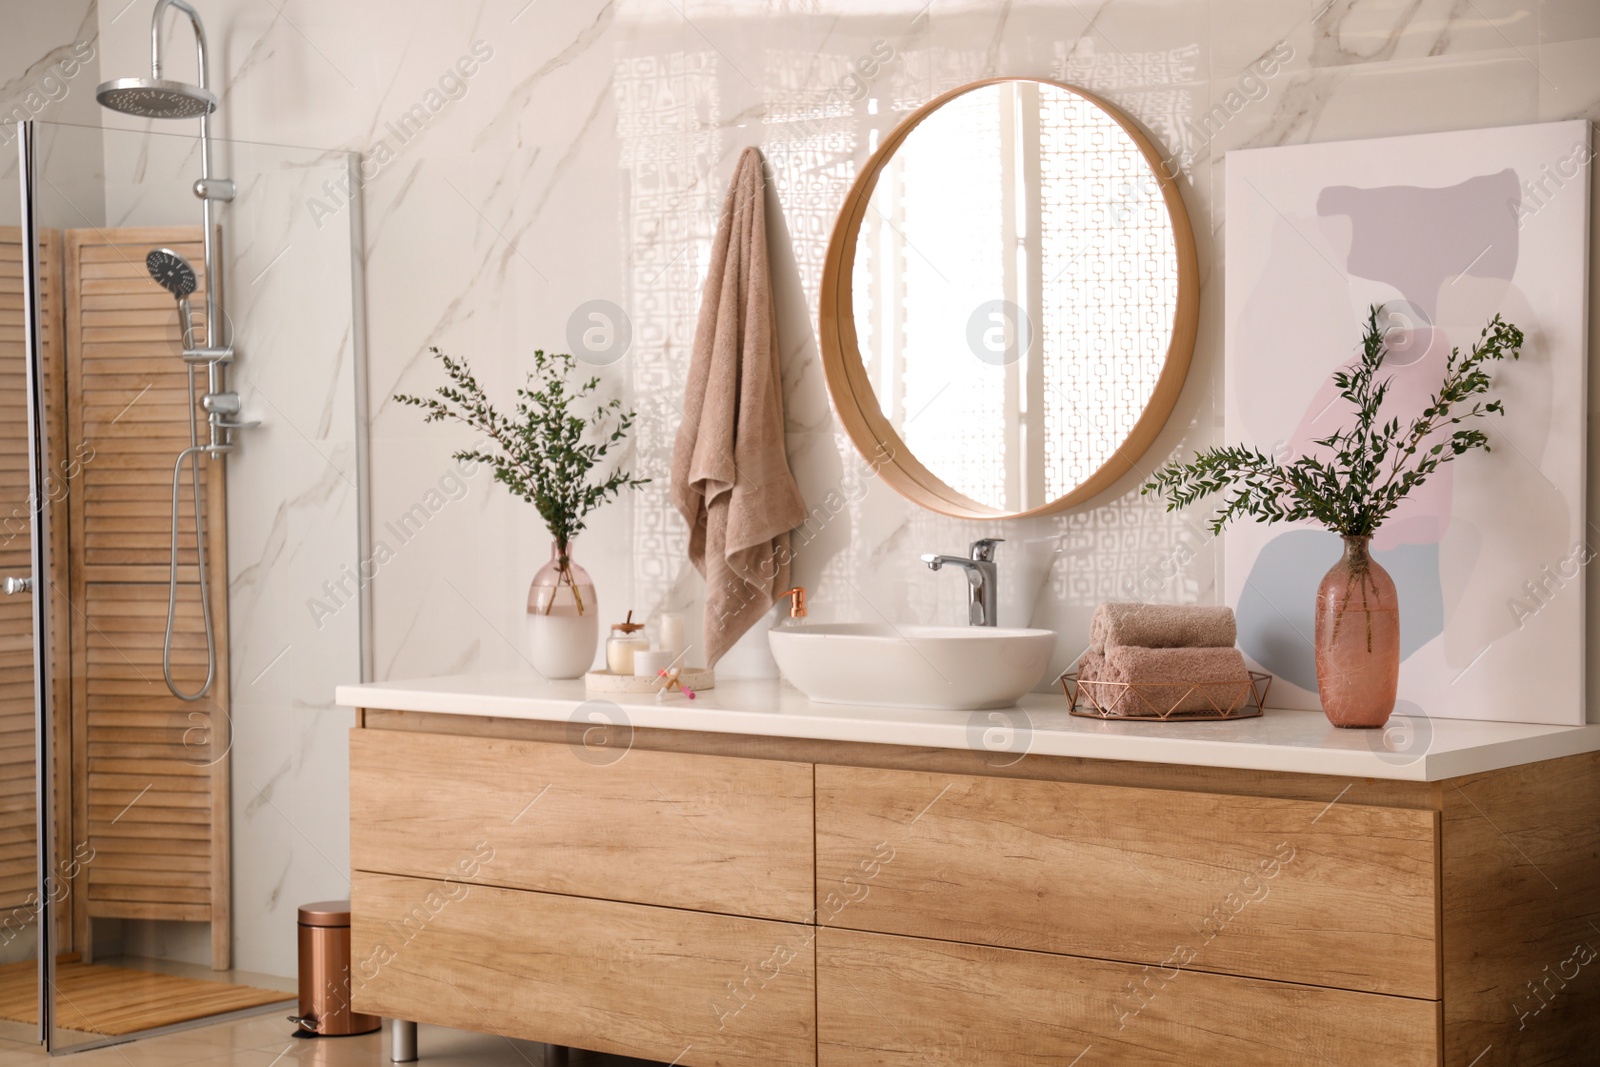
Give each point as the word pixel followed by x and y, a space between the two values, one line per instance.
pixel 1009 300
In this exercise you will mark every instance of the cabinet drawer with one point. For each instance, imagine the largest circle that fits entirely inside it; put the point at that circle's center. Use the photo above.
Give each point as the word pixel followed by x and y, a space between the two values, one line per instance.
pixel 656 983
pixel 1329 895
pixel 900 1002
pixel 703 832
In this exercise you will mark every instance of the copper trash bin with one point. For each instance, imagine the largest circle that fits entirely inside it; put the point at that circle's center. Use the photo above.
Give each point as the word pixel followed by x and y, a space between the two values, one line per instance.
pixel 325 974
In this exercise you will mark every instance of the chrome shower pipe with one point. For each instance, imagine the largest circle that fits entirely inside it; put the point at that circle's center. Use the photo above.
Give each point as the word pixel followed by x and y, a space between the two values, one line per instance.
pixel 216 379
pixel 199 39
pixel 209 191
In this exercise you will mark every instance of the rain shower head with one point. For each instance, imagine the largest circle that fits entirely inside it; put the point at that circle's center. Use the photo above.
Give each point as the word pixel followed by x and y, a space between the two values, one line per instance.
pixel 156 98
pixel 171 271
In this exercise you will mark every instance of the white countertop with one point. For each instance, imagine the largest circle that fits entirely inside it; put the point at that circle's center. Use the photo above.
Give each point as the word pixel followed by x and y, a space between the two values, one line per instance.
pixel 1295 741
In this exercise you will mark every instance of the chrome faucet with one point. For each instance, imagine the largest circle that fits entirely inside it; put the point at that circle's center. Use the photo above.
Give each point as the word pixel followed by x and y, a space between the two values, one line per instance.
pixel 982 578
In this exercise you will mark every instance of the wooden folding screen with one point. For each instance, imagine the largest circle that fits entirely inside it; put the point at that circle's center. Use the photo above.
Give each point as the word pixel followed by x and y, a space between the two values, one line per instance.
pixel 150 781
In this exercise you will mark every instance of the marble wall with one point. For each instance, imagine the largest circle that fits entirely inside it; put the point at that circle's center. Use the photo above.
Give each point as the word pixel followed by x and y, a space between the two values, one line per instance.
pixel 49 66
pixel 584 158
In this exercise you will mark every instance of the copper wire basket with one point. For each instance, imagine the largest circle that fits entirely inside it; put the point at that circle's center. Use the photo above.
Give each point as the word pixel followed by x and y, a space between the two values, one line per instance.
pixel 1166 701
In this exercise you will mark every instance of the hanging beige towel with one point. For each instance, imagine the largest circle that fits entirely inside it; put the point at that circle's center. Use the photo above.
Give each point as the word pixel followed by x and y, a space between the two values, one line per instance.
pixel 730 472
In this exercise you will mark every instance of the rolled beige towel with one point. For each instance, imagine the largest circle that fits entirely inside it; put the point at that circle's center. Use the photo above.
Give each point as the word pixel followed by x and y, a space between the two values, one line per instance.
pixel 1091 665
pixel 1091 673
pixel 1162 626
pixel 1166 680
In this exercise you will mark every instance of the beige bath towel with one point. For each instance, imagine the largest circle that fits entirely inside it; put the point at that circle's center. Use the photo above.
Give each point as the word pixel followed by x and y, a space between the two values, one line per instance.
pixel 730 472
pixel 1161 626
pixel 1166 680
pixel 1091 665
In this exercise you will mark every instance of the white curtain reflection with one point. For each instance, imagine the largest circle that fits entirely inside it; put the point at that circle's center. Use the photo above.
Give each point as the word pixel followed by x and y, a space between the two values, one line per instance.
pixel 1015 283
pixel 915 294
pixel 1111 286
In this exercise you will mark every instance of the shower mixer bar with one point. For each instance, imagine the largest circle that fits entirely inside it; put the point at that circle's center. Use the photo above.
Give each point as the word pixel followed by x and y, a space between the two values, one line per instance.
pixel 156 97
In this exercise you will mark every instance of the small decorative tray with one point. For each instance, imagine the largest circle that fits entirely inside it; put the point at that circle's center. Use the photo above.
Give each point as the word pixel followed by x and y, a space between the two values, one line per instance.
pixel 696 678
pixel 1167 701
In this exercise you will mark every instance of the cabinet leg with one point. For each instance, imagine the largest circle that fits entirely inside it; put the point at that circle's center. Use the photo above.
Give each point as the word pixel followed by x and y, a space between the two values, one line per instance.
pixel 402 1041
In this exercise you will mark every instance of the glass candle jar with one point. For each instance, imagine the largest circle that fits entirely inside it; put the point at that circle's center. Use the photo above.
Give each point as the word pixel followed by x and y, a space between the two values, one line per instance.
pixel 624 641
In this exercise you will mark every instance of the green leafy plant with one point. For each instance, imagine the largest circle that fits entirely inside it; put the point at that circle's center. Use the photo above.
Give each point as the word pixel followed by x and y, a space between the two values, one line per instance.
pixel 1373 465
pixel 549 450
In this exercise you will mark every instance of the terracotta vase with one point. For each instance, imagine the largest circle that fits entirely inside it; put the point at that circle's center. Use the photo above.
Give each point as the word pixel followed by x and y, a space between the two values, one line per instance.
pixel 563 617
pixel 1358 639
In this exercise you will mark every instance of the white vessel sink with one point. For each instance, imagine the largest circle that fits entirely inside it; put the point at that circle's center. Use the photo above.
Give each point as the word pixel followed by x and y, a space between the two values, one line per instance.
pixel 956 668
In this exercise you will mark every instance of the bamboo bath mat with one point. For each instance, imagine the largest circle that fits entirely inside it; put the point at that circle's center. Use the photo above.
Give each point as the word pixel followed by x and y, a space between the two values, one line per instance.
pixel 97 999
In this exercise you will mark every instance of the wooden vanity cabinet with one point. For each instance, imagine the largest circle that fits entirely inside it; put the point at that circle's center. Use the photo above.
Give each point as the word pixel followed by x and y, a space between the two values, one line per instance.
pixel 895 1000
pixel 658 983
pixel 706 833
pixel 704 899
pixel 1205 881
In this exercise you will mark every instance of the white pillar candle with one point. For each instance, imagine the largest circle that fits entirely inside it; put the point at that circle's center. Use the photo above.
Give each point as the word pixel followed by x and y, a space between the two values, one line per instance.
pixel 673 636
pixel 650 664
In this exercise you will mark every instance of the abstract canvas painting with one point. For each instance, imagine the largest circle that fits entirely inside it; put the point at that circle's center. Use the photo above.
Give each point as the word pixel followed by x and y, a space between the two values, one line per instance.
pixel 1444 230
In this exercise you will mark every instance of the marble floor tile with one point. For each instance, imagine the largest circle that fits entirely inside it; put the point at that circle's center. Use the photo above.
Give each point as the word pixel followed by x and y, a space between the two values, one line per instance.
pixel 264 1040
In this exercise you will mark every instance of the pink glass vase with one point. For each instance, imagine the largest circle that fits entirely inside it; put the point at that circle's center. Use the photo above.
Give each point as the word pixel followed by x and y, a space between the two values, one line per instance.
pixel 1358 639
pixel 563 617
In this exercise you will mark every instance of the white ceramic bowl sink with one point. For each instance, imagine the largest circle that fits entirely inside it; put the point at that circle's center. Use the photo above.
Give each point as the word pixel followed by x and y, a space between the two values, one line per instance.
pixel 957 668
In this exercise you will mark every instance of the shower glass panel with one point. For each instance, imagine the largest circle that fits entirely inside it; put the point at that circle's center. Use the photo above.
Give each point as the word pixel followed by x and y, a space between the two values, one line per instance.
pixel 189 829
pixel 20 908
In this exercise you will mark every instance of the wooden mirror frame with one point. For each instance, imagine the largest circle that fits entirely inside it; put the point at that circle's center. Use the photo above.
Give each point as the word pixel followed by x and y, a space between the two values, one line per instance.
pixel 846 374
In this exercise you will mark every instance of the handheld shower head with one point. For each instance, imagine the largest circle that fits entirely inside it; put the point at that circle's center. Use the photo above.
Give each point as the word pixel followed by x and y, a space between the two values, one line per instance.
pixel 174 274
pixel 171 271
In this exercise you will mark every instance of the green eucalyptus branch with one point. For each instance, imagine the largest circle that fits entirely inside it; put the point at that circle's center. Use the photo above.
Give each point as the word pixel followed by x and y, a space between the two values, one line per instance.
pixel 1373 465
pixel 548 451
